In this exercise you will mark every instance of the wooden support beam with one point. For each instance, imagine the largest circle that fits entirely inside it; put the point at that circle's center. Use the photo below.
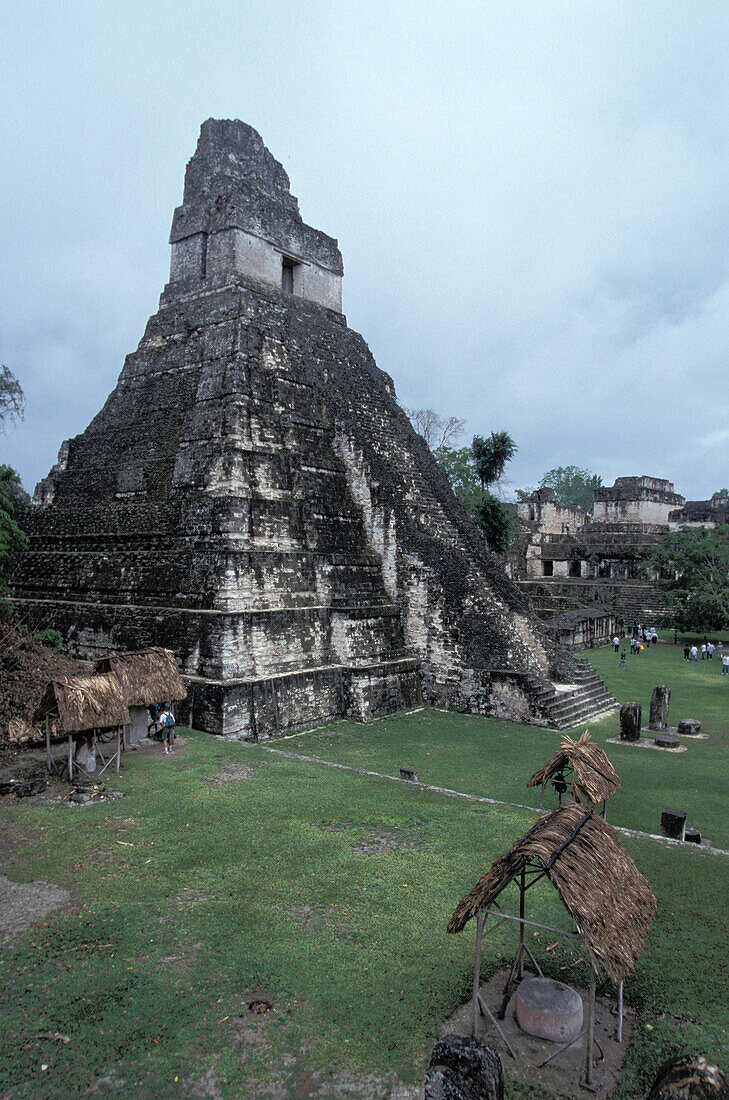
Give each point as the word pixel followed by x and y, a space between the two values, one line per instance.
pixel 590 1032
pixel 49 762
pixel 477 976
pixel 522 912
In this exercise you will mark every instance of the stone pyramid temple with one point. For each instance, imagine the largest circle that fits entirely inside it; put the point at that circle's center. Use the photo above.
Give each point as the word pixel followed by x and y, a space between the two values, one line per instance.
pixel 252 496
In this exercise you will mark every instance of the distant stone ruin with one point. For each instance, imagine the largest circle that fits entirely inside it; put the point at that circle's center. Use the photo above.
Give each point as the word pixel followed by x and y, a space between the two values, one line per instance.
pixel 566 558
pixel 252 497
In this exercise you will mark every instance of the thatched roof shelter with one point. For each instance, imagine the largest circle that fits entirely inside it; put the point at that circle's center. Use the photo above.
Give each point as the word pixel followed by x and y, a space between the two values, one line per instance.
pixel 84 703
pixel 145 675
pixel 594 779
pixel 610 902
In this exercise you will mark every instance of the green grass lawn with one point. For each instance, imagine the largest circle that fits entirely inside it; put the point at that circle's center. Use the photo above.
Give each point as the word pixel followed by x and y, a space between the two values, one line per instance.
pixel 323 893
pixel 495 758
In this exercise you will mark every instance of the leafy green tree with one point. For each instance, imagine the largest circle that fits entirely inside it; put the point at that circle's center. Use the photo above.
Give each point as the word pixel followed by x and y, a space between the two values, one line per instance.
pixel 12 539
pixel 495 520
pixel 573 486
pixel 13 500
pixel 693 570
pixel 460 467
pixel 491 456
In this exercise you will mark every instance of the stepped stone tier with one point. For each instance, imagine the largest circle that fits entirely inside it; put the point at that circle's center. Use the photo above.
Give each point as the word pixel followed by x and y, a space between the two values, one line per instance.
pixel 253 497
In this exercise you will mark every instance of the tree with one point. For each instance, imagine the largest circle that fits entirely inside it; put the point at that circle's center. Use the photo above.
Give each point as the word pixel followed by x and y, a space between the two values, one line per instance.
pixel 495 520
pixel 573 487
pixel 12 499
pixel 460 469
pixel 693 570
pixel 12 398
pixel 436 430
pixel 491 456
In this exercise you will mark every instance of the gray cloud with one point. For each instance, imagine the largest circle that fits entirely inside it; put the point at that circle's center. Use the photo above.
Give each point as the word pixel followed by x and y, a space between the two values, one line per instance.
pixel 530 200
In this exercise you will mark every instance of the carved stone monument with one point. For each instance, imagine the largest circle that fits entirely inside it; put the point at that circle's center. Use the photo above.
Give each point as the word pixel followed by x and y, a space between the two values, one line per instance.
pixel 253 497
pixel 660 702
pixel 630 721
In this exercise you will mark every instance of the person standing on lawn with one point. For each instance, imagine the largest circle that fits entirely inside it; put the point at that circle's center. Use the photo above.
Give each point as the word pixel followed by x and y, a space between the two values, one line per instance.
pixel 167 722
pixel 616 643
pixel 725 665
pixel 694 652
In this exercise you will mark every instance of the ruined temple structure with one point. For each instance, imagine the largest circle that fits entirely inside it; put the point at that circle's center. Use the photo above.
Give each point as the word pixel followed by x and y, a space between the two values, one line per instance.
pixel 252 497
pixel 568 559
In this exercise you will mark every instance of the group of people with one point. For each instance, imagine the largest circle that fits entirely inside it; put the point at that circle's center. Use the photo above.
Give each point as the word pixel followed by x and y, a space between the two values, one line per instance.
pixel 640 638
pixel 643 637
pixel 707 650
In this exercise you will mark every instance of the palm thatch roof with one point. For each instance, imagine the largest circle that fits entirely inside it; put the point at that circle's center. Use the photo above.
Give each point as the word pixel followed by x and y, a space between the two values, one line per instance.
pixel 593 777
pixel 608 899
pixel 84 703
pixel 145 675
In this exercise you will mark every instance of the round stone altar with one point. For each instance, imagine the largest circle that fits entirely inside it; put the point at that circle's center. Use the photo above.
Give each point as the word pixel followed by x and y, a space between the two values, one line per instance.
pixel 548 1009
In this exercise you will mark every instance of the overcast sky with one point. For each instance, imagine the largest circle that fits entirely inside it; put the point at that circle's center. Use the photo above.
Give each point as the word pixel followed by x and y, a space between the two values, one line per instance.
pixel 532 202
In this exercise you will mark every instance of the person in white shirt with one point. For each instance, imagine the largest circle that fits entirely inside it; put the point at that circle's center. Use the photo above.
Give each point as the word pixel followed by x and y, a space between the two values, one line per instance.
pixel 167 722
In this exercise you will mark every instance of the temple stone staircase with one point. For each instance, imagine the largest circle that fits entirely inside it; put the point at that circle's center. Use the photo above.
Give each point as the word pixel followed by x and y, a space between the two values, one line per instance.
pixel 565 708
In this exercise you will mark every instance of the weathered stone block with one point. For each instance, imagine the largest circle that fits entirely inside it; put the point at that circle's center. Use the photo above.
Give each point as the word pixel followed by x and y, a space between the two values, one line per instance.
pixel 673 823
pixel 660 702
pixel 630 721
pixel 462 1068
pixel 690 726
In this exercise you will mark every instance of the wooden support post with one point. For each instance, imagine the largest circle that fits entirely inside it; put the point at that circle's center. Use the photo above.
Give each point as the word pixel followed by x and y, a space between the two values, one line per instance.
pixel 620 1013
pixel 477 976
pixel 48 745
pixel 590 1031
pixel 522 914
pixel 70 757
pixel 118 748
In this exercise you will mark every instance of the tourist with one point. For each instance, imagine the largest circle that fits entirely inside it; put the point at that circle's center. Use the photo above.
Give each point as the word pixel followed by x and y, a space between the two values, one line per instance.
pixel 710 651
pixel 703 651
pixel 622 659
pixel 167 722
pixel 675 636
pixel 616 643
pixel 725 665
pixel 686 652
pixel 654 637
pixel 720 649
pixel 694 652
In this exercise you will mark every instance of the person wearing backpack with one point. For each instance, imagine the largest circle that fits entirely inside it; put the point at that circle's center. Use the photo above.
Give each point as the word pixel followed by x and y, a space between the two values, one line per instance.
pixel 167 722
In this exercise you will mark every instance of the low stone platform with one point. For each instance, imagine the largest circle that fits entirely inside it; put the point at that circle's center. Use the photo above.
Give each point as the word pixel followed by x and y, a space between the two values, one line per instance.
pixel 645 743
pixel 561 1076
